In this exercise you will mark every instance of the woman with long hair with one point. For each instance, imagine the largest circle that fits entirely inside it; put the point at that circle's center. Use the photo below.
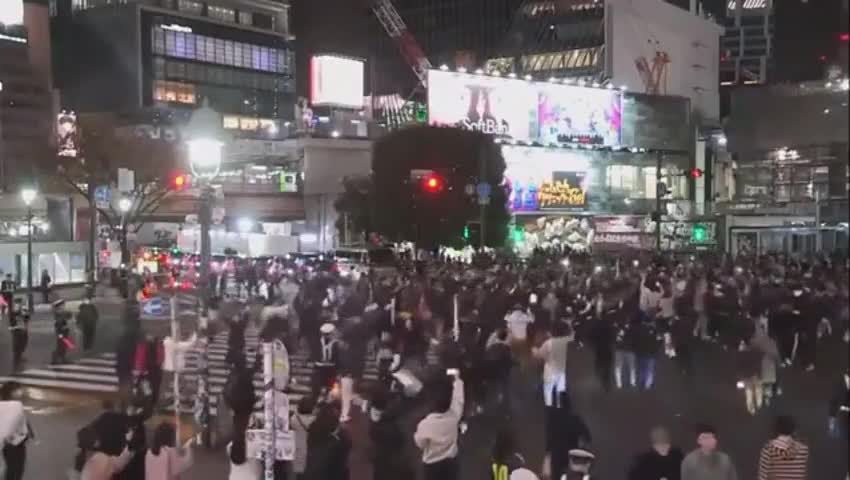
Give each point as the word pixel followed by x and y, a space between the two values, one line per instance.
pixel 163 461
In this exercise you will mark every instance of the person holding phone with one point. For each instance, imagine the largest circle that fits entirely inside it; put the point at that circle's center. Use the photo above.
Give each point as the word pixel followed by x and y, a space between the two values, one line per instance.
pixel 437 434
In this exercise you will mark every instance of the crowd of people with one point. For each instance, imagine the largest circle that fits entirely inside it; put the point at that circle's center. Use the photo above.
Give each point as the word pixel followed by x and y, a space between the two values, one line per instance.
pixel 450 339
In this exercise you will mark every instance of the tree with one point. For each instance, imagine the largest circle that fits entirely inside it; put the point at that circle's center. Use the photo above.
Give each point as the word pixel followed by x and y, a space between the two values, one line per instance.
pixel 403 211
pixel 104 148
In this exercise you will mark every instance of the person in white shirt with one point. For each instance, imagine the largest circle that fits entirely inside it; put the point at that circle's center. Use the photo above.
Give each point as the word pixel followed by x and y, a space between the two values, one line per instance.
pixel 518 322
pixel 437 433
pixel 174 360
pixel 553 352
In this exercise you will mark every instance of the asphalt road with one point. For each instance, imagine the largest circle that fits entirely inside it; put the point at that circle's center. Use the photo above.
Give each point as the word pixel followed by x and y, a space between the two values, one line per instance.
pixel 619 420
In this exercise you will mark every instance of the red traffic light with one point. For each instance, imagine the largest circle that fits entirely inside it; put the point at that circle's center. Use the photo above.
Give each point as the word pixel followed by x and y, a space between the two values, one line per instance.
pixel 178 181
pixel 432 183
pixel 696 173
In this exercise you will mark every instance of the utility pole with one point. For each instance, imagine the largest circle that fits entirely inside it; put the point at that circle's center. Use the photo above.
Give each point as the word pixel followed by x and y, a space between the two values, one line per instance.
pixel 660 190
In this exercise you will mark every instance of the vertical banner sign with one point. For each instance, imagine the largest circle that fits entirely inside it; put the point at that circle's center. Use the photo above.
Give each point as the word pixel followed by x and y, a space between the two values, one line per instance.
pixel 202 402
pixel 456 329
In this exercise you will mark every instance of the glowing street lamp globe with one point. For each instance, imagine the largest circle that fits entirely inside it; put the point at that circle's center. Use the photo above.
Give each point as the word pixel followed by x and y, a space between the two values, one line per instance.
pixel 28 195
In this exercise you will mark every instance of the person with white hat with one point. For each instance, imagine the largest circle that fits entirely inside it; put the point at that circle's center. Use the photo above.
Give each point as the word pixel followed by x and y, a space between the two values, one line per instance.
pixel 523 474
pixel 328 362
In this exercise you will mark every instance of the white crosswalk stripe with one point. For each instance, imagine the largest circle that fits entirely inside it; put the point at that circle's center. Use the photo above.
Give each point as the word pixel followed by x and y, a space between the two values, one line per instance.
pixel 97 374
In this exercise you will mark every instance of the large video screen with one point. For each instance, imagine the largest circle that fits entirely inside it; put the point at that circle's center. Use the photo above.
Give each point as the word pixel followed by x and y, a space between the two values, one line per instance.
pixel 546 179
pixel 525 111
pixel 336 81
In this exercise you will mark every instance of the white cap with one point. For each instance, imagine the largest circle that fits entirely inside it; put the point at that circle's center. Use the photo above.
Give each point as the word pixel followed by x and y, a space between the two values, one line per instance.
pixel 523 474
pixel 327 329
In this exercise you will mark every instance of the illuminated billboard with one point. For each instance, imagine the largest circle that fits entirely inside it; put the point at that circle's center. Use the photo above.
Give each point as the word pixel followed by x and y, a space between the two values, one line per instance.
pixel 336 81
pixel 590 116
pixel 546 179
pixel 67 135
pixel 11 12
pixel 502 107
pixel 525 111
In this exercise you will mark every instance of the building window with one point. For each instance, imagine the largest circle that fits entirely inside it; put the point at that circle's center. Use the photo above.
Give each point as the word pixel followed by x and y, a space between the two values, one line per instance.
pixel 246 18
pixel 174 92
pixel 190 6
pixel 222 13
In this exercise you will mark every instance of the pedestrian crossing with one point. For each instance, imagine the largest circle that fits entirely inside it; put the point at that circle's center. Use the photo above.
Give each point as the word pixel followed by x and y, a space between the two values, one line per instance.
pixel 96 375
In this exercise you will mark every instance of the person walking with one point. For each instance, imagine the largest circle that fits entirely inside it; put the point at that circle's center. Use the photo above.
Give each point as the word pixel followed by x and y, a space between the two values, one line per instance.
pixel 45 284
pixel 87 318
pixel 839 406
pixel 103 466
pixel 19 317
pixel 784 457
pixel 163 461
pixel 300 424
pixel 61 316
pixel 437 434
pixel 328 447
pixel 553 352
pixel 565 431
pixel 706 462
pixel 389 461
pixel 662 462
pixel 15 432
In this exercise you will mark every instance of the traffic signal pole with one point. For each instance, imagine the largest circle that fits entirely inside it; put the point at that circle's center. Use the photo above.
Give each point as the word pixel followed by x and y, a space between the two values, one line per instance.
pixel 658 200
pixel 482 213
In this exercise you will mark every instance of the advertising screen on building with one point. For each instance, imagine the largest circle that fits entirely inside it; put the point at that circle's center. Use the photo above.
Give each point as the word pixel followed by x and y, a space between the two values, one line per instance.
pixel 545 179
pixel 11 12
pixel 525 111
pixel 506 108
pixel 67 137
pixel 590 116
pixel 336 81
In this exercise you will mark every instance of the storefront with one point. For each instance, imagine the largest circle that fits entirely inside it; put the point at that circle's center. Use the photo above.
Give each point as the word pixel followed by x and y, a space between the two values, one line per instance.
pixel 65 262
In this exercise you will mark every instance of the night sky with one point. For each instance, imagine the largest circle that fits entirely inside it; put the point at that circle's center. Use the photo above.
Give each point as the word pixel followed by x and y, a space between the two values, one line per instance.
pixel 806 40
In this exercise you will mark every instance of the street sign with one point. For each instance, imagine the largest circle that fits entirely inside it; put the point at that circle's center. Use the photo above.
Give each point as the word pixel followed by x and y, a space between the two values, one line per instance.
pixel 102 196
pixel 483 189
pixel 154 307
pixel 126 179
pixel 256 440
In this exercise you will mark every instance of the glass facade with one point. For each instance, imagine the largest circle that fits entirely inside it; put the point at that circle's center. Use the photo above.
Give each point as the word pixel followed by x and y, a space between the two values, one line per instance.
pixel 190 6
pixel 218 51
pixel 174 92
pixel 208 74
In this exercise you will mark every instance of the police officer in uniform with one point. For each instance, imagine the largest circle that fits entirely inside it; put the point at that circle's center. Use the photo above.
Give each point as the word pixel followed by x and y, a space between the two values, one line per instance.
pixel 328 363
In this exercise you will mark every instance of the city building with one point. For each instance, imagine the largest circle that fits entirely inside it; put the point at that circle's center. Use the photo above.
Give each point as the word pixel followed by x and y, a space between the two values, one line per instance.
pixel 27 116
pixel 786 170
pixel 124 56
pixel 747 46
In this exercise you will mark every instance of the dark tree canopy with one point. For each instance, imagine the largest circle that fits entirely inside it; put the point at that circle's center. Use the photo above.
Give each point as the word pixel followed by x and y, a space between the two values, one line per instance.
pixel 401 211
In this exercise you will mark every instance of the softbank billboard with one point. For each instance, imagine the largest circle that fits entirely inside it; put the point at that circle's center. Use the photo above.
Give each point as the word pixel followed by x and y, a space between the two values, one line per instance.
pixel 524 111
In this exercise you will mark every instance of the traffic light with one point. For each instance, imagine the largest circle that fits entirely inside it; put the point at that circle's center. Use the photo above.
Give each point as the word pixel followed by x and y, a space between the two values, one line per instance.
pixel 432 183
pixel 517 234
pixel 466 232
pixel 696 173
pixel 698 233
pixel 178 181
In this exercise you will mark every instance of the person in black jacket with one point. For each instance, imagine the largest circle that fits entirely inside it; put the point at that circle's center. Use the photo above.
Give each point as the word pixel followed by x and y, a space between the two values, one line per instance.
pixel 662 462
pixel 62 331
pixel 328 446
pixel 646 349
pixel 87 318
pixel 565 431
pixel 389 460
pixel 601 336
pixel 239 391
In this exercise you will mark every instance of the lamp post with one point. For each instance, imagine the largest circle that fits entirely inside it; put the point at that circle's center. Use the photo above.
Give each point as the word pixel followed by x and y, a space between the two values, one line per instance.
pixel 205 141
pixel 28 195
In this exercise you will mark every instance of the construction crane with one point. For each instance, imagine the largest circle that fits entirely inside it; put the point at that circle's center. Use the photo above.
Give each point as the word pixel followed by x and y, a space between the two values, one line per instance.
pixel 404 40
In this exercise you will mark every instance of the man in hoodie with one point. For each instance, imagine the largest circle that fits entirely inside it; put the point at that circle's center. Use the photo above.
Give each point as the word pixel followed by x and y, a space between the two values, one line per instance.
pixel 661 462
pixel 784 457
pixel 706 462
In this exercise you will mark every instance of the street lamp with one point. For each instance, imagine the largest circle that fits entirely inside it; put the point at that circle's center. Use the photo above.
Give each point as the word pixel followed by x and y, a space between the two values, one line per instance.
pixel 28 195
pixel 205 134
pixel 124 205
